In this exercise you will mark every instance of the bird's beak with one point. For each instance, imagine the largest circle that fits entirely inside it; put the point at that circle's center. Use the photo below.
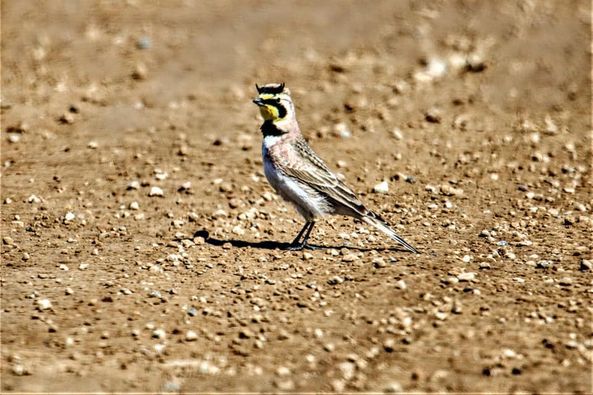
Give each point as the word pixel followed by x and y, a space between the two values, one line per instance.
pixel 258 101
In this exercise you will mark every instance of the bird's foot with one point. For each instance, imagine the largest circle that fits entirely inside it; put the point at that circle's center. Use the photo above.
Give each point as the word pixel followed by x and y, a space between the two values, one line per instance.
pixel 302 246
pixel 295 247
pixel 312 247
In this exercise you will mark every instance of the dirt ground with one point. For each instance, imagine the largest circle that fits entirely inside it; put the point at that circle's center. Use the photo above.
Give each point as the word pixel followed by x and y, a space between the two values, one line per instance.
pixel 476 113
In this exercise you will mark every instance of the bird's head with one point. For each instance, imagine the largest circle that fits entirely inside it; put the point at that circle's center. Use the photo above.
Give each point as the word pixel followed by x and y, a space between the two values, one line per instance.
pixel 275 103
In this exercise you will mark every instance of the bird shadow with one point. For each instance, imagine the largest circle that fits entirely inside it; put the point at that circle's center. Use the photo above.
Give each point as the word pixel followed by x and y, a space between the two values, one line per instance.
pixel 278 245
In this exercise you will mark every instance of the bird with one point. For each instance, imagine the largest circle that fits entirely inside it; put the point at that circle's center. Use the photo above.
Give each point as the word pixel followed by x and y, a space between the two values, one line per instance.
pixel 300 176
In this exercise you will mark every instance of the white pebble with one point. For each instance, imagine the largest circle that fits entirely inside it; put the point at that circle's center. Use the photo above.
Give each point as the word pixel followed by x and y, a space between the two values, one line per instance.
pixel 185 186
pixel 393 388
pixel 33 199
pixel 397 134
pixel 18 370
pixel 436 67
pixel 191 336
pixel 69 216
pixel 469 276
pixel 219 214
pixel 347 369
pixel 342 130
pixel 14 138
pixel 44 304
pixel 382 187
pixel 238 230
pixel 282 371
pixel 156 191
pixel 160 174
pixel 441 316
pixel 159 334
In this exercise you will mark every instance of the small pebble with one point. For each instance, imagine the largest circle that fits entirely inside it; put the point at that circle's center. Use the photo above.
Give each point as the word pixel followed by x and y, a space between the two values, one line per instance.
pixel 192 311
pixel 156 191
pixel 282 371
pixel 18 370
pixel 342 130
pixel 379 262
pixel 133 185
pixel 33 199
pixel 565 281
pixel 66 118
pixel 389 345
pixel 225 187
pixel 69 216
pixel 191 336
pixel 382 187
pixel 159 333
pixel 397 134
pixel 238 230
pixel 186 186
pixel 433 115
pixel 307 256
pixel 14 138
pixel 140 72
pixel 338 385
pixel 347 369
pixel 468 276
pixel 335 280
pixel 44 304
pixel 219 214
pixel 441 316
pixel 543 264
pixel 144 42
pixel 393 388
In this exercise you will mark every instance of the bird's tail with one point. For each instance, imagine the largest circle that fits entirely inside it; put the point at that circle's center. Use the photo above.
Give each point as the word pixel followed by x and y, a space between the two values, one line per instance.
pixel 378 222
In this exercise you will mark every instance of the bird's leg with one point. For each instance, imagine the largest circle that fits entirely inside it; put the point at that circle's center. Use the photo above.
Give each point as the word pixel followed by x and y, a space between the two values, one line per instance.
pixel 298 237
pixel 296 244
pixel 306 237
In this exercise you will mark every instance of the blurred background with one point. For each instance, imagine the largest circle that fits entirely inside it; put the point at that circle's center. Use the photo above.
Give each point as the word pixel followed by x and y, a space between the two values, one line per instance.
pixel 128 137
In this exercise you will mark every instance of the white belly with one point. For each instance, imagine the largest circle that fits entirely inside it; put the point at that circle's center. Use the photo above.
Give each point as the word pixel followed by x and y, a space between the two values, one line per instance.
pixel 307 201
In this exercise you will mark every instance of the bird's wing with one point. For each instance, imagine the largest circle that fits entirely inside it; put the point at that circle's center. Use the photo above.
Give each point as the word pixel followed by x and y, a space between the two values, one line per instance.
pixel 311 170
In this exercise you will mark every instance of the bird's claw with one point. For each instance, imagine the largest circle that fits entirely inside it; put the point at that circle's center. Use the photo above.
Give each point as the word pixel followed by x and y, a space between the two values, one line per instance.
pixel 301 246
pixel 295 247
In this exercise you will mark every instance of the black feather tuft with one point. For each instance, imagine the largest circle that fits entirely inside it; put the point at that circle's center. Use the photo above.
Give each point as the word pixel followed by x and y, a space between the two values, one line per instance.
pixel 269 129
pixel 273 89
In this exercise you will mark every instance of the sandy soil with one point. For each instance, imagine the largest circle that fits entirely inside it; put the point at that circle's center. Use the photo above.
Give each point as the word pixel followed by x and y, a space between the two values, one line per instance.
pixel 476 113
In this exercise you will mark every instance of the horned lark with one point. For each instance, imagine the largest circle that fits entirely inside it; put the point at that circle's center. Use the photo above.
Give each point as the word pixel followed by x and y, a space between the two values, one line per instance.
pixel 299 176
